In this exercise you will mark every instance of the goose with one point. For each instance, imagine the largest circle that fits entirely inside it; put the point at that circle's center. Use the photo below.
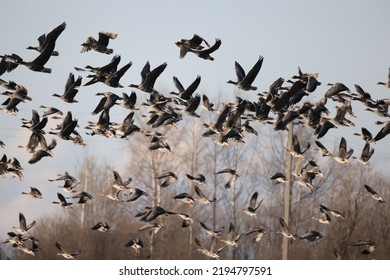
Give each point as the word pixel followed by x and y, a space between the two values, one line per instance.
pixel 66 176
pixel 324 218
pixel 44 152
pixel 187 220
pixel 213 252
pixel 343 155
pixel 365 135
pixel 248 128
pixel 323 150
pixel 185 94
pixel 284 118
pixel 260 232
pixel 136 244
pixel 70 89
pixel 106 70
pixel 193 104
pixel 311 236
pixel 2 144
pixel 199 178
pixel 101 226
pixel 194 43
pixel 336 89
pixel 373 194
pixel 8 63
pixel 62 201
pixel 202 198
pixel 244 81
pixel 363 96
pixel 152 227
pixel 119 184
pixel 207 104
pixel 38 64
pixel 370 246
pixel 232 179
pixel 67 127
pixel 65 254
pixel 112 79
pixel 45 39
pixel 232 238
pixel 279 178
pixel 148 78
pixel 366 154
pixel 335 213
pixel 297 151
pixel 132 194
pixel 211 232
pixel 20 93
pixel 23 227
pixel 108 100
pixel 151 213
pixel 185 198
pixel 386 84
pixel 37 125
pixel 83 197
pixel 99 45
pixel 385 130
pixel 129 101
pixel 160 146
pixel 51 111
pixel 169 178
pixel 205 53
pixel 323 128
pixel 285 231
pixel 22 247
pixel 290 97
pixel 253 206
pixel 34 192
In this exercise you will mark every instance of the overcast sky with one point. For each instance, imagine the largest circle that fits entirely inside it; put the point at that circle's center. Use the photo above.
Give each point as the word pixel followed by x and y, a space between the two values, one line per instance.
pixel 344 41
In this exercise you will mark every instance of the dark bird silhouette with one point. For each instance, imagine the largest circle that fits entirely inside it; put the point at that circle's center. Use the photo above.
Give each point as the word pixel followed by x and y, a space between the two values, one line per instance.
pixel 148 78
pixel 70 89
pixel 128 102
pixel 185 93
pixel 136 244
pixel 373 194
pixel 323 128
pixel 34 192
pixel 253 206
pixel 244 81
pixel 205 53
pixel 385 130
pixel 200 178
pixel 185 198
pixel 311 236
pixel 62 201
pixel 194 43
pixel 8 63
pixel 100 45
pixel 45 40
pixel 101 226
pixel 38 64
pixel 44 152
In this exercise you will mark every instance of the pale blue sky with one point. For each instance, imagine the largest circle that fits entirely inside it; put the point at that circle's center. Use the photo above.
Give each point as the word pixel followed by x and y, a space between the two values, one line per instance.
pixel 344 41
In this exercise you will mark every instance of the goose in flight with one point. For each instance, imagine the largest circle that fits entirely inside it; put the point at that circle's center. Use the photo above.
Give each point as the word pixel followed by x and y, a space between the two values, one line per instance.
pixel 386 84
pixel 343 155
pixel 62 201
pixel 199 179
pixel 23 227
pixel 44 152
pixel 65 254
pixel 100 45
pixel 311 236
pixel 148 78
pixel 233 177
pixel 211 232
pixel 205 53
pixel 253 206
pixel 8 63
pixel 202 198
pixel 334 213
pixel 232 237
pixel 185 93
pixel 244 81
pixel 194 43
pixel 101 226
pixel 70 89
pixel 373 194
pixel 185 198
pixel 259 233
pixel 366 154
pixel 34 192
pixel 169 178
pixel 369 246
pixel 213 252
pixel 45 39
pixel 297 151
pixel 285 231
pixel 38 64
pixel 136 244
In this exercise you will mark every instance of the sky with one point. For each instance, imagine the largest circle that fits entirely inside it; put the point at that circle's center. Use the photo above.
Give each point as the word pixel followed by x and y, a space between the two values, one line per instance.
pixel 344 41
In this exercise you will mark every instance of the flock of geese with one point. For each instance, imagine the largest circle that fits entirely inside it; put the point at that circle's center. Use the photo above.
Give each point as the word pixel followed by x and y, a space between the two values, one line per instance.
pixel 283 103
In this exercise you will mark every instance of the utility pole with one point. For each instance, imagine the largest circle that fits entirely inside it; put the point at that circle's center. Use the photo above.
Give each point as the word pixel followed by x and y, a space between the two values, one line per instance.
pixel 287 190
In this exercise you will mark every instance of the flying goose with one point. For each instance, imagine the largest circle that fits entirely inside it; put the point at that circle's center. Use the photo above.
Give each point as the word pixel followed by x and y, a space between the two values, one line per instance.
pixel 128 102
pixel 211 232
pixel 369 246
pixel 232 238
pixel 45 39
pixel 149 214
pixel 38 64
pixel 183 93
pixel 207 104
pixel 324 218
pixel 148 78
pixel 62 201
pixel 213 252
pixel 108 100
pixel 336 89
pixel 335 213
pixel 311 236
pixel 65 254
pixel 233 177
pixel 101 226
pixel 70 89
pixel 285 230
pixel 83 197
pixel 343 155
pixel 279 178
pixel 365 135
pixel 323 150
pixel 34 192
pixel 244 81
pixel 132 194
pixel 23 227
pixel 323 128
pixel 99 45
pixel 152 227
pixel 8 63
pixel 185 198
pixel 169 178
pixel 202 198
pixel 386 84
pixel 374 194
pixel 297 151
pixel 194 43
pixel 366 154
pixel 385 130
pixel 205 53
pixel 253 206
pixel 260 232
pixel 44 152
pixel 136 244
pixel 199 178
